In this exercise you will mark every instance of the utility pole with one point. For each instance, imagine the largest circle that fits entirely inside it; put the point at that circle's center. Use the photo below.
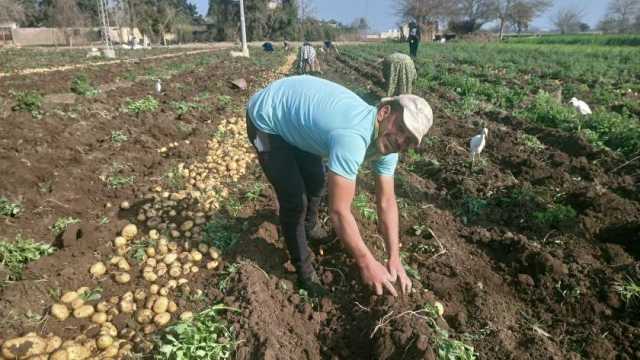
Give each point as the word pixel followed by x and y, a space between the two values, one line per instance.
pixel 245 49
pixel 108 51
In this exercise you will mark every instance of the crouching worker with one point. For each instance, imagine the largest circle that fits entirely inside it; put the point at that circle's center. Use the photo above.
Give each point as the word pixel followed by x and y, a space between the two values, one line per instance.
pixel 296 122
pixel 399 74
pixel 307 59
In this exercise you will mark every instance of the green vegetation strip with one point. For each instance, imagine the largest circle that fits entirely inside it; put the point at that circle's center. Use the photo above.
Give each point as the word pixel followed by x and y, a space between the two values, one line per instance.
pixel 15 255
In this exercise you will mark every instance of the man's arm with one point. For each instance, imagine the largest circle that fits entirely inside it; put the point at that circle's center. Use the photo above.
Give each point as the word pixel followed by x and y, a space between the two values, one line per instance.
pixel 341 192
pixel 388 214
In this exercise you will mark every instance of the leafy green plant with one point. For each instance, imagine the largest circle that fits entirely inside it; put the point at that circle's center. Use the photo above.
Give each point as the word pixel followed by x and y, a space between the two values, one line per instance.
pixel 451 349
pixel 175 179
pixel 28 101
pixel 224 100
pixel 233 206
pixel 255 191
pixel 557 216
pixel 62 223
pixel 207 336
pixel 15 255
pixel 226 275
pixel 471 208
pixel 117 181
pixel 629 291
pixel 146 104
pixel 361 203
pixel 183 107
pixel 8 208
pixel 94 294
pixel 219 233
pixel 118 137
pixel 137 251
pixel 531 142
pixel 82 86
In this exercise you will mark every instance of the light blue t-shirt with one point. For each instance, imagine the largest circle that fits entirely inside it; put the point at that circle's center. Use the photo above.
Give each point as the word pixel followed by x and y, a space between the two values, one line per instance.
pixel 322 118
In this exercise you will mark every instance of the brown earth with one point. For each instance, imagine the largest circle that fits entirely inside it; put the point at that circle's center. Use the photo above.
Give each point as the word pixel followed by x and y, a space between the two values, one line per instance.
pixel 511 287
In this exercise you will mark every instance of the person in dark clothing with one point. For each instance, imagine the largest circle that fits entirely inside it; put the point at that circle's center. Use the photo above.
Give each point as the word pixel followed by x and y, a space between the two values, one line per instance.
pixel 268 47
pixel 414 38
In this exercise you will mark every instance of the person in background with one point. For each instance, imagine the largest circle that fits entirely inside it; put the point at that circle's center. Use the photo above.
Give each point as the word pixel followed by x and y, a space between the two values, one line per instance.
pixel 267 47
pixel 297 121
pixel 399 74
pixel 308 59
pixel 414 38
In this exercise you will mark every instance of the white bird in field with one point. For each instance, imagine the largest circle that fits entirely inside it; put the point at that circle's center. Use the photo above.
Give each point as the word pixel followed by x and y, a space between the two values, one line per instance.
pixel 477 143
pixel 580 106
pixel 158 87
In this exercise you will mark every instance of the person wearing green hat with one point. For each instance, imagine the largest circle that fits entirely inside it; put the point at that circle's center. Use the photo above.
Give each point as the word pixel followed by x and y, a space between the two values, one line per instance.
pixel 296 122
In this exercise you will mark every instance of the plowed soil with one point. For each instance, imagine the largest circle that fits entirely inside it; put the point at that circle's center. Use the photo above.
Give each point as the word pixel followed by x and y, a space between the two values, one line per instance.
pixel 512 287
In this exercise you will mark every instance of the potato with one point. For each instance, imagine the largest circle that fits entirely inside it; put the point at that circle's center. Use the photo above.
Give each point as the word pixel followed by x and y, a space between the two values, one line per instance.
pixel 175 272
pixel 203 248
pixel 119 242
pixel 154 288
pixel 139 294
pixel 77 303
pixel 77 352
pixel 187 315
pixel 103 306
pixel 53 343
pixel 98 269
pixel 60 311
pixel 160 305
pixel 122 278
pixel 128 296
pixel 154 234
pixel 104 342
pixel 122 251
pixel 182 281
pixel 161 269
pixel 59 355
pixel 82 290
pixel 124 265
pixel 110 352
pixel 172 307
pixel 438 305
pixel 164 291
pixel 68 297
pixel 172 284
pixel 91 345
pixel 24 347
pixel 114 300
pixel 129 231
pixel 163 249
pixel 144 316
pixel 109 329
pixel 196 255
pixel 162 319
pixel 150 251
pixel 150 276
pixel 194 269
pixel 115 260
pixel 214 253
pixel 127 307
pixel 148 329
pixel 152 262
pixel 83 311
pixel 170 258
pixel 212 264
pixel 99 318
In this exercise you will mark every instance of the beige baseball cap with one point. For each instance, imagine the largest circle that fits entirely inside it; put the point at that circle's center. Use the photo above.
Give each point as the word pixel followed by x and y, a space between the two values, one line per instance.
pixel 417 114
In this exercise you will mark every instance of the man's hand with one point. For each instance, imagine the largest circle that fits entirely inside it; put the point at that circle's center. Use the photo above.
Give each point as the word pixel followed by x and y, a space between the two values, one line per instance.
pixel 396 270
pixel 376 276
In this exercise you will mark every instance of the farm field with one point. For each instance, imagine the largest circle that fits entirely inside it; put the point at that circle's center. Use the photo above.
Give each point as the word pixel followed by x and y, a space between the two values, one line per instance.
pixel 532 251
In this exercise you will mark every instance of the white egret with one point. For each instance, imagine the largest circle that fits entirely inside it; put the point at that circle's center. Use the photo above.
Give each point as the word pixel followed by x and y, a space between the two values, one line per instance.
pixel 580 106
pixel 477 143
pixel 158 87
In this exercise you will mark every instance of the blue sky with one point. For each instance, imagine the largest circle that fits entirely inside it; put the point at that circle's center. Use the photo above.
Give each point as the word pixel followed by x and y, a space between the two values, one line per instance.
pixel 380 13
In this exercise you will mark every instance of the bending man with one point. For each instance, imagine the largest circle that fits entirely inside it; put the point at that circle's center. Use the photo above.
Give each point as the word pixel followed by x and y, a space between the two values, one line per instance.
pixel 296 122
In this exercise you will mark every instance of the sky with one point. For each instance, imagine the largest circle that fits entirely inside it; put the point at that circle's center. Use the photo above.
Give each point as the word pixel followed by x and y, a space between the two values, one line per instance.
pixel 381 15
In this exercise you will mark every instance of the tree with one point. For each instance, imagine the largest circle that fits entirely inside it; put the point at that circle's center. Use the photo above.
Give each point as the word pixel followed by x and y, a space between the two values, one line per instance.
pixel 584 27
pixel 472 14
pixel 620 16
pixel 567 20
pixel 12 11
pixel 65 13
pixel 427 13
pixel 518 12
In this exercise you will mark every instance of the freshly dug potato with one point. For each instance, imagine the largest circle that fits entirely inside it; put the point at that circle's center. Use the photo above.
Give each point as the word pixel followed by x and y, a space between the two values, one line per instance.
pixel 170 258
pixel 53 343
pixel 124 265
pixel 151 252
pixel 139 294
pixel 77 303
pixel 122 278
pixel 103 306
pixel 109 329
pixel 162 319
pixel 104 342
pixel 148 329
pixel 129 231
pixel 162 249
pixel 173 307
pixel 98 269
pixel 164 291
pixel 60 311
pixel 144 316
pixel 196 255
pixel 91 345
pixel 438 305
pixel 83 311
pixel 172 245
pixel 115 260
pixel 128 296
pixel 214 253
pixel 24 347
pixel 203 248
pixel 161 305
pixel 119 242
pixel 150 276
pixel 154 234
pixel 68 297
pixel 99 318
pixel 175 272
pixel 82 290
pixel 154 288
pixel 110 352
pixel 212 264
pixel 152 262
pixel 77 352
pixel 122 250
pixel 182 281
pixel 59 355
pixel 194 269
pixel 127 307
pixel 172 284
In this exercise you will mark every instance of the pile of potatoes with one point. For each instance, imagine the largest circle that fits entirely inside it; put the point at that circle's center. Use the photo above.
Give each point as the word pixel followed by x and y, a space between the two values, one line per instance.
pixel 34 347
